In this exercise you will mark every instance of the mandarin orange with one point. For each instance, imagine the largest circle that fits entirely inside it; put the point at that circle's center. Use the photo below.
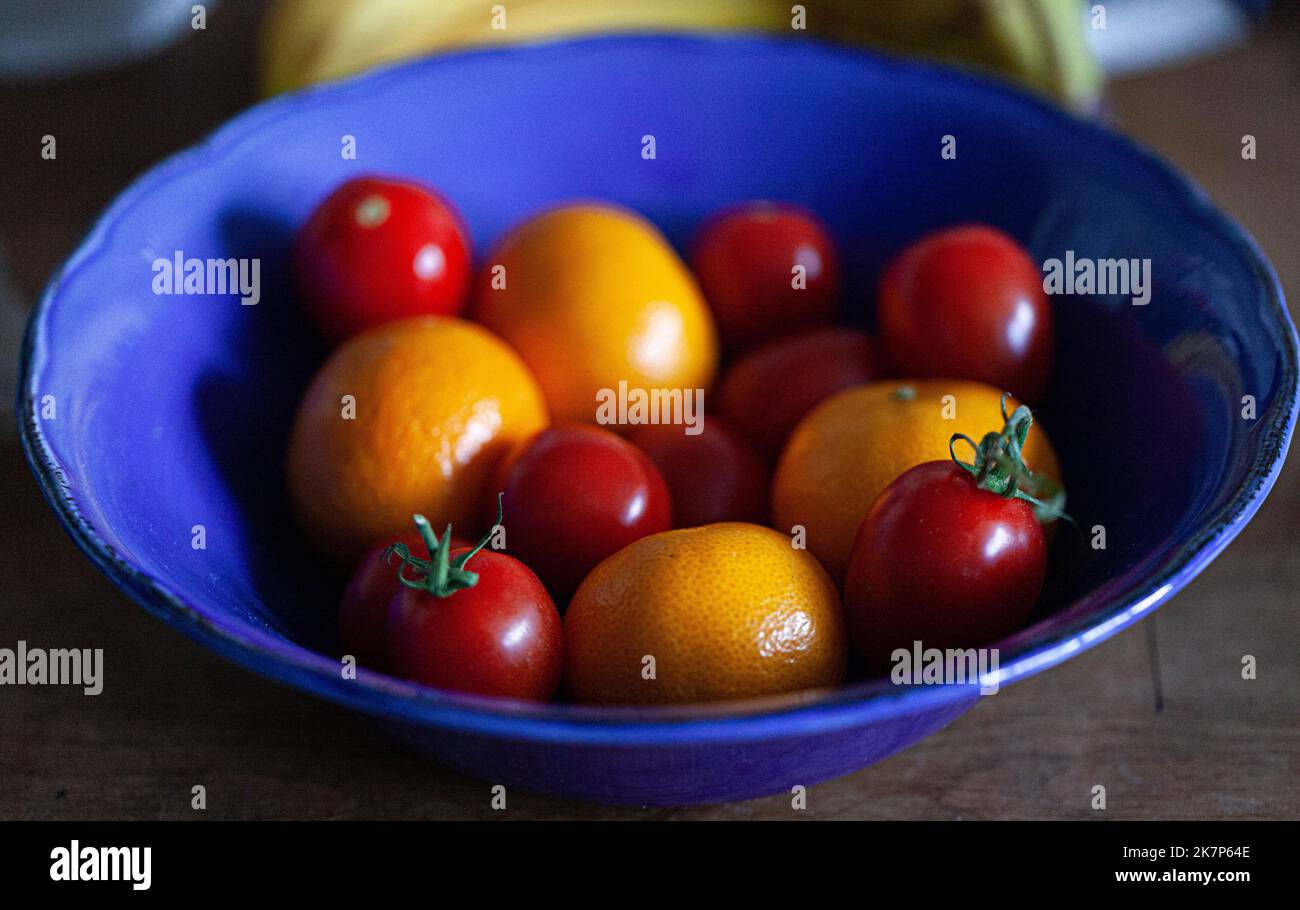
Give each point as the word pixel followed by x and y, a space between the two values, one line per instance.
pixel 591 296
pixel 721 611
pixel 410 416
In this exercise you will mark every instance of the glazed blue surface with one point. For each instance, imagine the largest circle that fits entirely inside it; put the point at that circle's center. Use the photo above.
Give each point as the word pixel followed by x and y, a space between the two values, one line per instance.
pixel 173 411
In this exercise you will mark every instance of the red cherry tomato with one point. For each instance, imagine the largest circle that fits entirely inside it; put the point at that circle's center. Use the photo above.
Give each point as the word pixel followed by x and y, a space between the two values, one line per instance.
pixel 941 561
pixel 769 390
pixel 500 635
pixel 363 609
pixel 968 302
pixel 577 494
pixel 745 259
pixel 377 250
pixel 712 476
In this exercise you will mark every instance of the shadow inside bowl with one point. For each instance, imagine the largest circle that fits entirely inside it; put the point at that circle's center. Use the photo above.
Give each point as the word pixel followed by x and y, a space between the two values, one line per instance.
pixel 245 407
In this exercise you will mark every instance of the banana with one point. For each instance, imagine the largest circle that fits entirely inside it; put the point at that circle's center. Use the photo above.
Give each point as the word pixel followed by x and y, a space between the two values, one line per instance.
pixel 1039 43
pixel 290 34
pixel 1045 41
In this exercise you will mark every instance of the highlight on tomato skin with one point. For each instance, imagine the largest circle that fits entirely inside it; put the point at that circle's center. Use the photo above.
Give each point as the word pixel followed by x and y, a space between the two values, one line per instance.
pixel 968 301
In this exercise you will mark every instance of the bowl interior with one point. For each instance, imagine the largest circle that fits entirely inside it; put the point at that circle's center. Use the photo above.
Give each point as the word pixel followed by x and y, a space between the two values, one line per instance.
pixel 171 412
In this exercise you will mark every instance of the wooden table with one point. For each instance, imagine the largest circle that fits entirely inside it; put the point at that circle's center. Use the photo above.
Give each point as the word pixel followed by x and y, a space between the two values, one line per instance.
pixel 173 715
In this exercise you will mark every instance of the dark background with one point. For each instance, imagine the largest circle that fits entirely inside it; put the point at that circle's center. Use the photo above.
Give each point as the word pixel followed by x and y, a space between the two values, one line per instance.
pixel 173 715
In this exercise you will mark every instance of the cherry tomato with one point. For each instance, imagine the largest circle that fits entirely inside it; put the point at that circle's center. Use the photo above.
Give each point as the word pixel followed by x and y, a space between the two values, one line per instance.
pixel 486 626
pixel 712 476
pixel 577 494
pixel 968 302
pixel 941 561
pixel 363 609
pixel 749 259
pixel 769 390
pixel 379 249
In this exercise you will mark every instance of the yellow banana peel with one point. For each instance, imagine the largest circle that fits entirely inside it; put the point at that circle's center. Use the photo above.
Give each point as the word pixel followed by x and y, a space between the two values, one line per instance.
pixel 1038 43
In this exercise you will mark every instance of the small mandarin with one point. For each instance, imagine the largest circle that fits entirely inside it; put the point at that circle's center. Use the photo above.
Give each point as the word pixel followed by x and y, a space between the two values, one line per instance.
pixel 435 403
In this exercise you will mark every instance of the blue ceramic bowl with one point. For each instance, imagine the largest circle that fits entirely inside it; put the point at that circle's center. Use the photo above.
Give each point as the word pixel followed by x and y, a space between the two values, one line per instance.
pixel 172 411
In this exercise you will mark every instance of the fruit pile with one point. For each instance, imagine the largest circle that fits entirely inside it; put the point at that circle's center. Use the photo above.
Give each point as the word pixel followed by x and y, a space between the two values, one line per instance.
pixel 664 534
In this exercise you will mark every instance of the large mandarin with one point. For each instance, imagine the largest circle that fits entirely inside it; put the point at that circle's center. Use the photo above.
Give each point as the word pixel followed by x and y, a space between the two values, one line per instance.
pixel 723 611
pixel 592 296
pixel 411 416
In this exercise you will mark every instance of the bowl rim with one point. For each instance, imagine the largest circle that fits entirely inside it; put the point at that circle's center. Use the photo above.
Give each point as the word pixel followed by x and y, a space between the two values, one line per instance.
pixel 851 705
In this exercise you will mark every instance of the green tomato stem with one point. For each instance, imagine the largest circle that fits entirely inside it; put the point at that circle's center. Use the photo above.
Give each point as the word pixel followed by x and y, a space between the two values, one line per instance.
pixel 999 466
pixel 439 575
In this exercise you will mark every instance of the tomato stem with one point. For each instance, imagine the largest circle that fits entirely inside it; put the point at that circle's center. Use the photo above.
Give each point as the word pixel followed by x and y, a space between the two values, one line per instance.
pixel 1000 468
pixel 439 575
